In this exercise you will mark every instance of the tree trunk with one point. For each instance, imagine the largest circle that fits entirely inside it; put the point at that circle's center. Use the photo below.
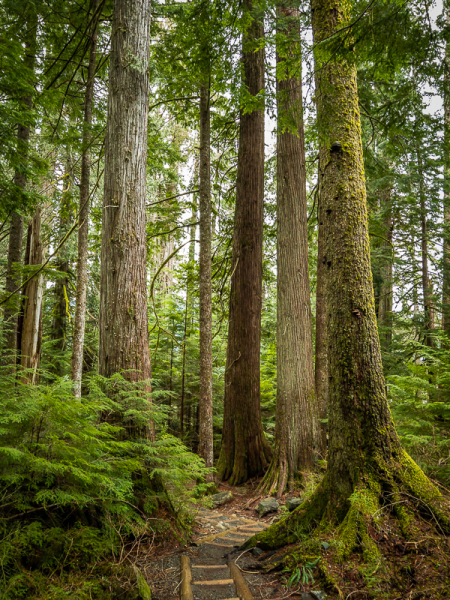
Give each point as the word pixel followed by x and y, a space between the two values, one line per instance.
pixel 296 412
pixel 123 344
pixel 205 410
pixel 321 358
pixel 385 299
pixel 31 331
pixel 83 216
pixel 13 274
pixel 367 467
pixel 245 453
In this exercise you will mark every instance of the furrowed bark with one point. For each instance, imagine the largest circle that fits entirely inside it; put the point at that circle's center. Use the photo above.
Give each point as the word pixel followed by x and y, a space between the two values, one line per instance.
pixel 446 256
pixel 123 344
pixel 205 413
pixel 296 433
pixel 83 211
pixel 245 452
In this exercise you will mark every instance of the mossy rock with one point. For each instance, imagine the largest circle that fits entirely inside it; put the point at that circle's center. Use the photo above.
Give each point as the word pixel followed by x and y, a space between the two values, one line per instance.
pixel 145 593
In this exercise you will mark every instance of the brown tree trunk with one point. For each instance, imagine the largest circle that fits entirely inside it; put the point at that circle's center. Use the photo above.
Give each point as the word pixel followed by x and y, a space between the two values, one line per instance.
pixel 321 357
pixel 31 331
pixel 296 412
pixel 13 275
pixel 245 452
pixel 83 216
pixel 367 468
pixel 205 410
pixel 123 344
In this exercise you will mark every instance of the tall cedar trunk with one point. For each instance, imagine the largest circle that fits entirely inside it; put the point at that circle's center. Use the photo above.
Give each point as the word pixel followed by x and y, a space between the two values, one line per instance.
pixel 31 330
pixel 386 291
pixel 83 216
pixel 321 357
pixel 296 412
pixel 205 409
pixel 367 467
pixel 446 257
pixel 245 452
pixel 123 345
pixel 13 275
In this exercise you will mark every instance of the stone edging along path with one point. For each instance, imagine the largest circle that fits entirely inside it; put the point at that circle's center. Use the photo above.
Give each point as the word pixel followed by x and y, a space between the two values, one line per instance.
pixel 208 573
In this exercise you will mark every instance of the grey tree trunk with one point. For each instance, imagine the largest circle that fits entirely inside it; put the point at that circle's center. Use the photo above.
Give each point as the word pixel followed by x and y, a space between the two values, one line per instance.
pixel 205 418
pixel 386 290
pixel 123 344
pixel 83 215
pixel 296 412
pixel 446 257
pixel 245 452
pixel 31 330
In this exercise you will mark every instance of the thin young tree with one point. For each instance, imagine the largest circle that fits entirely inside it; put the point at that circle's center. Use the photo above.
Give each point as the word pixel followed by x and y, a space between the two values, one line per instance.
pixel 245 452
pixel 366 460
pixel 123 343
pixel 297 431
pixel 83 215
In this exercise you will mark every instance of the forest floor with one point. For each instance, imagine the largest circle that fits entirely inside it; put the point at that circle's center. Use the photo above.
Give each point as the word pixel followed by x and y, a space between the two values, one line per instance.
pixel 411 570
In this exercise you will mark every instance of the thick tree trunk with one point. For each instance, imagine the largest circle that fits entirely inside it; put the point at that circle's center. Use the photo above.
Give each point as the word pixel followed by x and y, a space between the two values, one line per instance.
pixel 31 331
pixel 297 429
pixel 83 216
pixel 367 467
pixel 205 410
pixel 245 452
pixel 13 275
pixel 321 357
pixel 123 344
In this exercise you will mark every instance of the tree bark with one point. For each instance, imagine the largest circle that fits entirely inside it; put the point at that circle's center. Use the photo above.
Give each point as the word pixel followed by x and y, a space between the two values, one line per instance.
pixel 123 344
pixel 365 459
pixel 245 452
pixel 13 275
pixel 297 429
pixel 205 410
pixel 31 331
pixel 321 357
pixel 83 215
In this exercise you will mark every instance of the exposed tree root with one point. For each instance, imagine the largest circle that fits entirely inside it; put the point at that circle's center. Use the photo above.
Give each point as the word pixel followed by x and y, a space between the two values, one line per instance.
pixel 409 496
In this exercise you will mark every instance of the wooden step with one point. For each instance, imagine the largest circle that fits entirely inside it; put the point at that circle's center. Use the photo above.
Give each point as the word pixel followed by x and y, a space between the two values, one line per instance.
pixel 214 582
pixel 209 567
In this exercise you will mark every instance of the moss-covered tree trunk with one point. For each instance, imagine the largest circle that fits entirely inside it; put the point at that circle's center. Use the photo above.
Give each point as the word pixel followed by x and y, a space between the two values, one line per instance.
pixel 245 452
pixel 386 287
pixel 297 431
pixel 123 344
pixel 367 467
pixel 446 256
pixel 321 356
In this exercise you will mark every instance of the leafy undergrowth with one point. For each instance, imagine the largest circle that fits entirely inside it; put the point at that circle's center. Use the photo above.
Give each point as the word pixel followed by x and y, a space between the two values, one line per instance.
pixel 80 494
pixel 403 569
